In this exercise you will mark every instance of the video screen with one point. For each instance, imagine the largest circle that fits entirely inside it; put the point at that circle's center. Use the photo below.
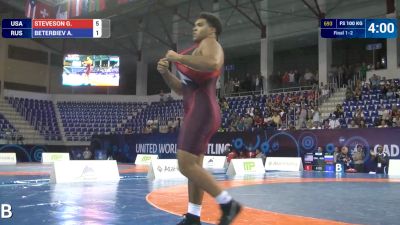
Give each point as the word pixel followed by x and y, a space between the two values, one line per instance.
pixel 90 70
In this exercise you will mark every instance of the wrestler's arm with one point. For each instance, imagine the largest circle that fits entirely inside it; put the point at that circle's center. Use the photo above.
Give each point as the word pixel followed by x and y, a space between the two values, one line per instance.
pixel 172 81
pixel 212 57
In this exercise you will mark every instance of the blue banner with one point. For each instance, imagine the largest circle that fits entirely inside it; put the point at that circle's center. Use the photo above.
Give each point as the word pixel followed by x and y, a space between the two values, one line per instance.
pixel 17 33
pixel 124 148
pixel 16 23
pixel 62 33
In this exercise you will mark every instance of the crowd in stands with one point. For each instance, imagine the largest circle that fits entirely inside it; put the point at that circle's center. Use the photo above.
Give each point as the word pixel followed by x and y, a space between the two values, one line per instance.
pixel 354 160
pixel 375 103
pixel 292 78
pixel 372 103
pixel 250 83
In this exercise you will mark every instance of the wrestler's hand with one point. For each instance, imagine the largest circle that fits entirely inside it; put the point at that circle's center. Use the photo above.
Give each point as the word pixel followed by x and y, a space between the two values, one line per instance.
pixel 172 56
pixel 163 66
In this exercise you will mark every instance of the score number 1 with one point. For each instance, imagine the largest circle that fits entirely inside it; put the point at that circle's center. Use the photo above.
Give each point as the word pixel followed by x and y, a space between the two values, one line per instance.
pixel 97 28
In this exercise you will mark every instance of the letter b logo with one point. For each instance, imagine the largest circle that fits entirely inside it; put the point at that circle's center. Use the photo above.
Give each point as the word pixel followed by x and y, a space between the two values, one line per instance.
pixel 6 211
pixel 339 168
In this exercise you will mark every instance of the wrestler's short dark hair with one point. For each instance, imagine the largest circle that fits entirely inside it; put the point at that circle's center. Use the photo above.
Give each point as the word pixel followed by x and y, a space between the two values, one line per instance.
pixel 213 21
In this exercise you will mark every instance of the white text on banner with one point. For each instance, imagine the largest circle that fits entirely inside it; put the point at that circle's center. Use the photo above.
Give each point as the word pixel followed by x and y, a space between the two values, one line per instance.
pixel 284 164
pixel 164 169
pixel 8 158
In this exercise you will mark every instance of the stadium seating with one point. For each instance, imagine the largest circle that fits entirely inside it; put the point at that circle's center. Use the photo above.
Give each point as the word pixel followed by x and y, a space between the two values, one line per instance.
pixel 40 114
pixel 83 119
pixel 5 127
pixel 371 101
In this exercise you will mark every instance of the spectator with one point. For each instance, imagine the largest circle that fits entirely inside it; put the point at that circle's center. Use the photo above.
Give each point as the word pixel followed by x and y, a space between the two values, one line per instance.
pixel 232 154
pixel 362 124
pixel 162 96
pixel 308 77
pixel 358 117
pixel 258 122
pixel 276 120
pixel 291 75
pixel 336 154
pixel 345 158
pixel 87 154
pixel 383 124
pixel 352 124
pixel 381 160
pixel 248 122
pixel 325 93
pixel 163 129
pixel 357 94
pixel 169 98
pixel 302 113
pixel 334 122
pixel 374 80
pixel 386 114
pixel 320 150
pixel 316 117
pixel 243 154
pixel 224 105
pixel 390 93
pixel 147 129
pixel 363 71
pixel 236 85
pixel 396 121
pixel 339 112
pixel 258 83
pixel 358 157
pixel 241 125
pixel 285 79
pixel 349 94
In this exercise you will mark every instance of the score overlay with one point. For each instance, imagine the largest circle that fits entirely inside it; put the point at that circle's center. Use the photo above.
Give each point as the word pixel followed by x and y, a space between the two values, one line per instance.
pixel 358 28
pixel 53 28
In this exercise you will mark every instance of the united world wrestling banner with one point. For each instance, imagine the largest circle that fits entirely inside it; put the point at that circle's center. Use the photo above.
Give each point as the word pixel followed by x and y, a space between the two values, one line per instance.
pixel 124 148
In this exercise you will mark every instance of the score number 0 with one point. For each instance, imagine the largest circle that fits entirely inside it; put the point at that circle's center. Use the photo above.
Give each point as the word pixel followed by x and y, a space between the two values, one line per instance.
pixel 97 28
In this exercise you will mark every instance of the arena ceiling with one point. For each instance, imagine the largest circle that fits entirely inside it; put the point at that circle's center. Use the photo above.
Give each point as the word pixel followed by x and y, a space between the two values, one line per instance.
pixel 290 24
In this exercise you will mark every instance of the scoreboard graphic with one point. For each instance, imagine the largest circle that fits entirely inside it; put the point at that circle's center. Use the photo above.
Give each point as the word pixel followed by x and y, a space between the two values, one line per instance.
pixel 358 28
pixel 55 28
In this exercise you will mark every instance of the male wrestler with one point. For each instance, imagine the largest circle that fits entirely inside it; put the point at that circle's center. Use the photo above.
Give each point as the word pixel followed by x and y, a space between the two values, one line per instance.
pixel 198 75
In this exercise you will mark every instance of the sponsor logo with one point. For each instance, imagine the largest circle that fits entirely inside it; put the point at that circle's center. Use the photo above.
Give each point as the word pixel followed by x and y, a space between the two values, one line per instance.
pixel 88 173
pixel 282 164
pixel 146 158
pixel 170 169
pixel 6 158
pixel 210 163
pixel 249 166
pixel 56 157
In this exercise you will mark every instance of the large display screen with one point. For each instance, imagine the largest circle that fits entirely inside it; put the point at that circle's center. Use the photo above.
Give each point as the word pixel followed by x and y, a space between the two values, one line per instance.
pixel 91 70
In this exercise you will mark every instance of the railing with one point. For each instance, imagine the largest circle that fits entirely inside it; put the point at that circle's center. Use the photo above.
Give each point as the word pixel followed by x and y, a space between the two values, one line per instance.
pixel 292 89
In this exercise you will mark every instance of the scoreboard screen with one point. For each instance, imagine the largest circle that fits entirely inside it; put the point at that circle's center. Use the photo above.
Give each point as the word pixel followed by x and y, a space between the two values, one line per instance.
pixel 54 28
pixel 358 28
pixel 90 70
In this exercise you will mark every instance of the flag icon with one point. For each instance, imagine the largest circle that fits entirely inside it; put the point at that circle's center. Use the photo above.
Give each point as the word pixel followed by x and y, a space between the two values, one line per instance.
pixel 30 9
